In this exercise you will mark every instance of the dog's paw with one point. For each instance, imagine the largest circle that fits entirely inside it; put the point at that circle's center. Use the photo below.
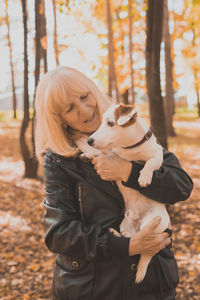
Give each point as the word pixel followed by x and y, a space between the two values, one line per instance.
pixel 139 278
pixel 145 178
pixel 86 156
pixel 114 232
pixel 126 234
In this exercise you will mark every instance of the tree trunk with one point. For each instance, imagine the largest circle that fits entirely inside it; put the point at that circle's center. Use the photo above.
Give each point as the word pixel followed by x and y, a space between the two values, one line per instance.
pixel 125 96
pixel 31 165
pixel 40 39
pixel 11 63
pixel 55 34
pixel 40 52
pixel 37 43
pixel 198 102
pixel 43 34
pixel 169 97
pixel 112 81
pixel 121 31
pixel 197 90
pixel 154 34
pixel 130 17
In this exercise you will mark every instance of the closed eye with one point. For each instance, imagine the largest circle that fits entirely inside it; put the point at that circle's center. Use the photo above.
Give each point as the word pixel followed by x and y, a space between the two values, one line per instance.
pixel 69 108
pixel 111 123
pixel 84 96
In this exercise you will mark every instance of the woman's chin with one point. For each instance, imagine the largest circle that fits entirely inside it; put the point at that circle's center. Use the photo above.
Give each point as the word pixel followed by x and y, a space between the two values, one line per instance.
pixel 90 130
pixel 91 126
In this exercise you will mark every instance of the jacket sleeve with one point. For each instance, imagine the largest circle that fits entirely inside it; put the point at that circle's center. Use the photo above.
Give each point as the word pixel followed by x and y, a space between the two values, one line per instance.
pixel 170 183
pixel 64 232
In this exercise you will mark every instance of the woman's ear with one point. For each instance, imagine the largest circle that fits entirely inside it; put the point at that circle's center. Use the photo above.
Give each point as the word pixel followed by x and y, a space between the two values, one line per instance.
pixel 125 114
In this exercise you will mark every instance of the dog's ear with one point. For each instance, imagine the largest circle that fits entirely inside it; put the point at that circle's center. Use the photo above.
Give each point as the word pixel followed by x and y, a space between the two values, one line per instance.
pixel 124 114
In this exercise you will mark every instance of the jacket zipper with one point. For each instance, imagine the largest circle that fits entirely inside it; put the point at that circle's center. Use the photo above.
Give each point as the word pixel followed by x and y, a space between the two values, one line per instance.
pixel 81 202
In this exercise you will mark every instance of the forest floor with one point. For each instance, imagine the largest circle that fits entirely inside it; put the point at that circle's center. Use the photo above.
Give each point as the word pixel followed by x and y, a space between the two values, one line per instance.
pixel 26 266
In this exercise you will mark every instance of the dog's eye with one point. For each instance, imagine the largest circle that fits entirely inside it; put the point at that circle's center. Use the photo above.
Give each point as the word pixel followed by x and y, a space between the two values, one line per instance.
pixel 111 123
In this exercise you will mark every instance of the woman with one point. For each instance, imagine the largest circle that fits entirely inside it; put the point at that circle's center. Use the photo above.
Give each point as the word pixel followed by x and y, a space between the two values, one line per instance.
pixel 82 201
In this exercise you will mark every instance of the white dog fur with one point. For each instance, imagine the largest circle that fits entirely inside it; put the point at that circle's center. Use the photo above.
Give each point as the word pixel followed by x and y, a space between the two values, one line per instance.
pixel 120 128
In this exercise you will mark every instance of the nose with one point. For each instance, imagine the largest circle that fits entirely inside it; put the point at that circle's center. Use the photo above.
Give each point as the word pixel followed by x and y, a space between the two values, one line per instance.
pixel 83 109
pixel 90 141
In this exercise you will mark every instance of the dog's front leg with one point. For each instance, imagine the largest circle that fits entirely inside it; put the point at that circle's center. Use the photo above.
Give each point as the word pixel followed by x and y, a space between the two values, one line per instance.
pixel 114 232
pixel 88 151
pixel 150 166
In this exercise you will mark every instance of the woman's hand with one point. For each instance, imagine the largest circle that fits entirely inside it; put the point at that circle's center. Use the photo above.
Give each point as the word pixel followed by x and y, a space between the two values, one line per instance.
pixel 148 243
pixel 112 167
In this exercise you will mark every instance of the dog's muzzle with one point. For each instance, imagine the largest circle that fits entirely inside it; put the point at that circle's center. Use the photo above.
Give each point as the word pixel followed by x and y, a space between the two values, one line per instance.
pixel 90 141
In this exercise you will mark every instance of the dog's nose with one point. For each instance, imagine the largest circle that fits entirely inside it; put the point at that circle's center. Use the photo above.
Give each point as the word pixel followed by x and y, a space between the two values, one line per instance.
pixel 90 141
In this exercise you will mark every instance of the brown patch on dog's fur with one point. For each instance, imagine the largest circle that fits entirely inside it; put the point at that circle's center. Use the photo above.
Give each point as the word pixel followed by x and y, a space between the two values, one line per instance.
pixel 122 110
pixel 130 122
pixel 125 109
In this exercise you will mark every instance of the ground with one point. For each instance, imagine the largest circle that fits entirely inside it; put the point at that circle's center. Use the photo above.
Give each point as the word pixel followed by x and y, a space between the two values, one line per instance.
pixel 26 264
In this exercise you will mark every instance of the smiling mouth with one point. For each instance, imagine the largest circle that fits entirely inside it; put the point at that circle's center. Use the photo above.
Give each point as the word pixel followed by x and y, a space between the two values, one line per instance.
pixel 90 119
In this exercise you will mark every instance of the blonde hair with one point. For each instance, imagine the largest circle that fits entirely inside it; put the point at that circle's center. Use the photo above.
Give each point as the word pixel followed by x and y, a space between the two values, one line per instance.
pixel 52 93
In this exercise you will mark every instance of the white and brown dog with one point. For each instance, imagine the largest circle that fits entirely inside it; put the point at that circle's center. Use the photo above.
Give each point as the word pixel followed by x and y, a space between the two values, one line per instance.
pixel 127 135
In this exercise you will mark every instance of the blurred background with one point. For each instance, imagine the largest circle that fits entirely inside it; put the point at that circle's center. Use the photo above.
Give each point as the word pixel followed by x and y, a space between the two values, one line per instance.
pixel 141 52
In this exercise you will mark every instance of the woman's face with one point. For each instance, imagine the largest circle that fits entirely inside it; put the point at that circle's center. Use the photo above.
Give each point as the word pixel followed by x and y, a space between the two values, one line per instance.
pixel 81 113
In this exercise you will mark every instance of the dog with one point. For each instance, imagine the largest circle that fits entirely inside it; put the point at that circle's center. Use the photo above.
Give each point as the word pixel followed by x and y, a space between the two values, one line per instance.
pixel 129 137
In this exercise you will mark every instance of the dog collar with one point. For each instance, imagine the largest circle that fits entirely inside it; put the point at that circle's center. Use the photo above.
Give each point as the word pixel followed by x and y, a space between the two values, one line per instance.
pixel 145 138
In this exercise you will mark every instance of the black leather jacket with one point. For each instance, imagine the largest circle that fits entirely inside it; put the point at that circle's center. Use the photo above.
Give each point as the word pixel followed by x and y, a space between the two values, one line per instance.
pixel 91 263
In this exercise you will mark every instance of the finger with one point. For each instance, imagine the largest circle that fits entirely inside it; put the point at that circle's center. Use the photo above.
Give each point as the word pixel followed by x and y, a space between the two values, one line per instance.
pixel 97 159
pixel 104 177
pixel 169 231
pixel 113 231
pixel 166 242
pixel 165 235
pixel 94 160
pixel 98 171
pixel 169 226
pixel 96 167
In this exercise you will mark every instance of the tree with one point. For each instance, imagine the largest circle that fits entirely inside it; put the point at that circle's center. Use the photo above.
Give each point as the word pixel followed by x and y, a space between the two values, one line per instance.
pixel 55 34
pixel 169 97
pixel 112 81
pixel 40 53
pixel 153 42
pixel 31 164
pixel 40 39
pixel 43 33
pixel 122 54
pixel 11 62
